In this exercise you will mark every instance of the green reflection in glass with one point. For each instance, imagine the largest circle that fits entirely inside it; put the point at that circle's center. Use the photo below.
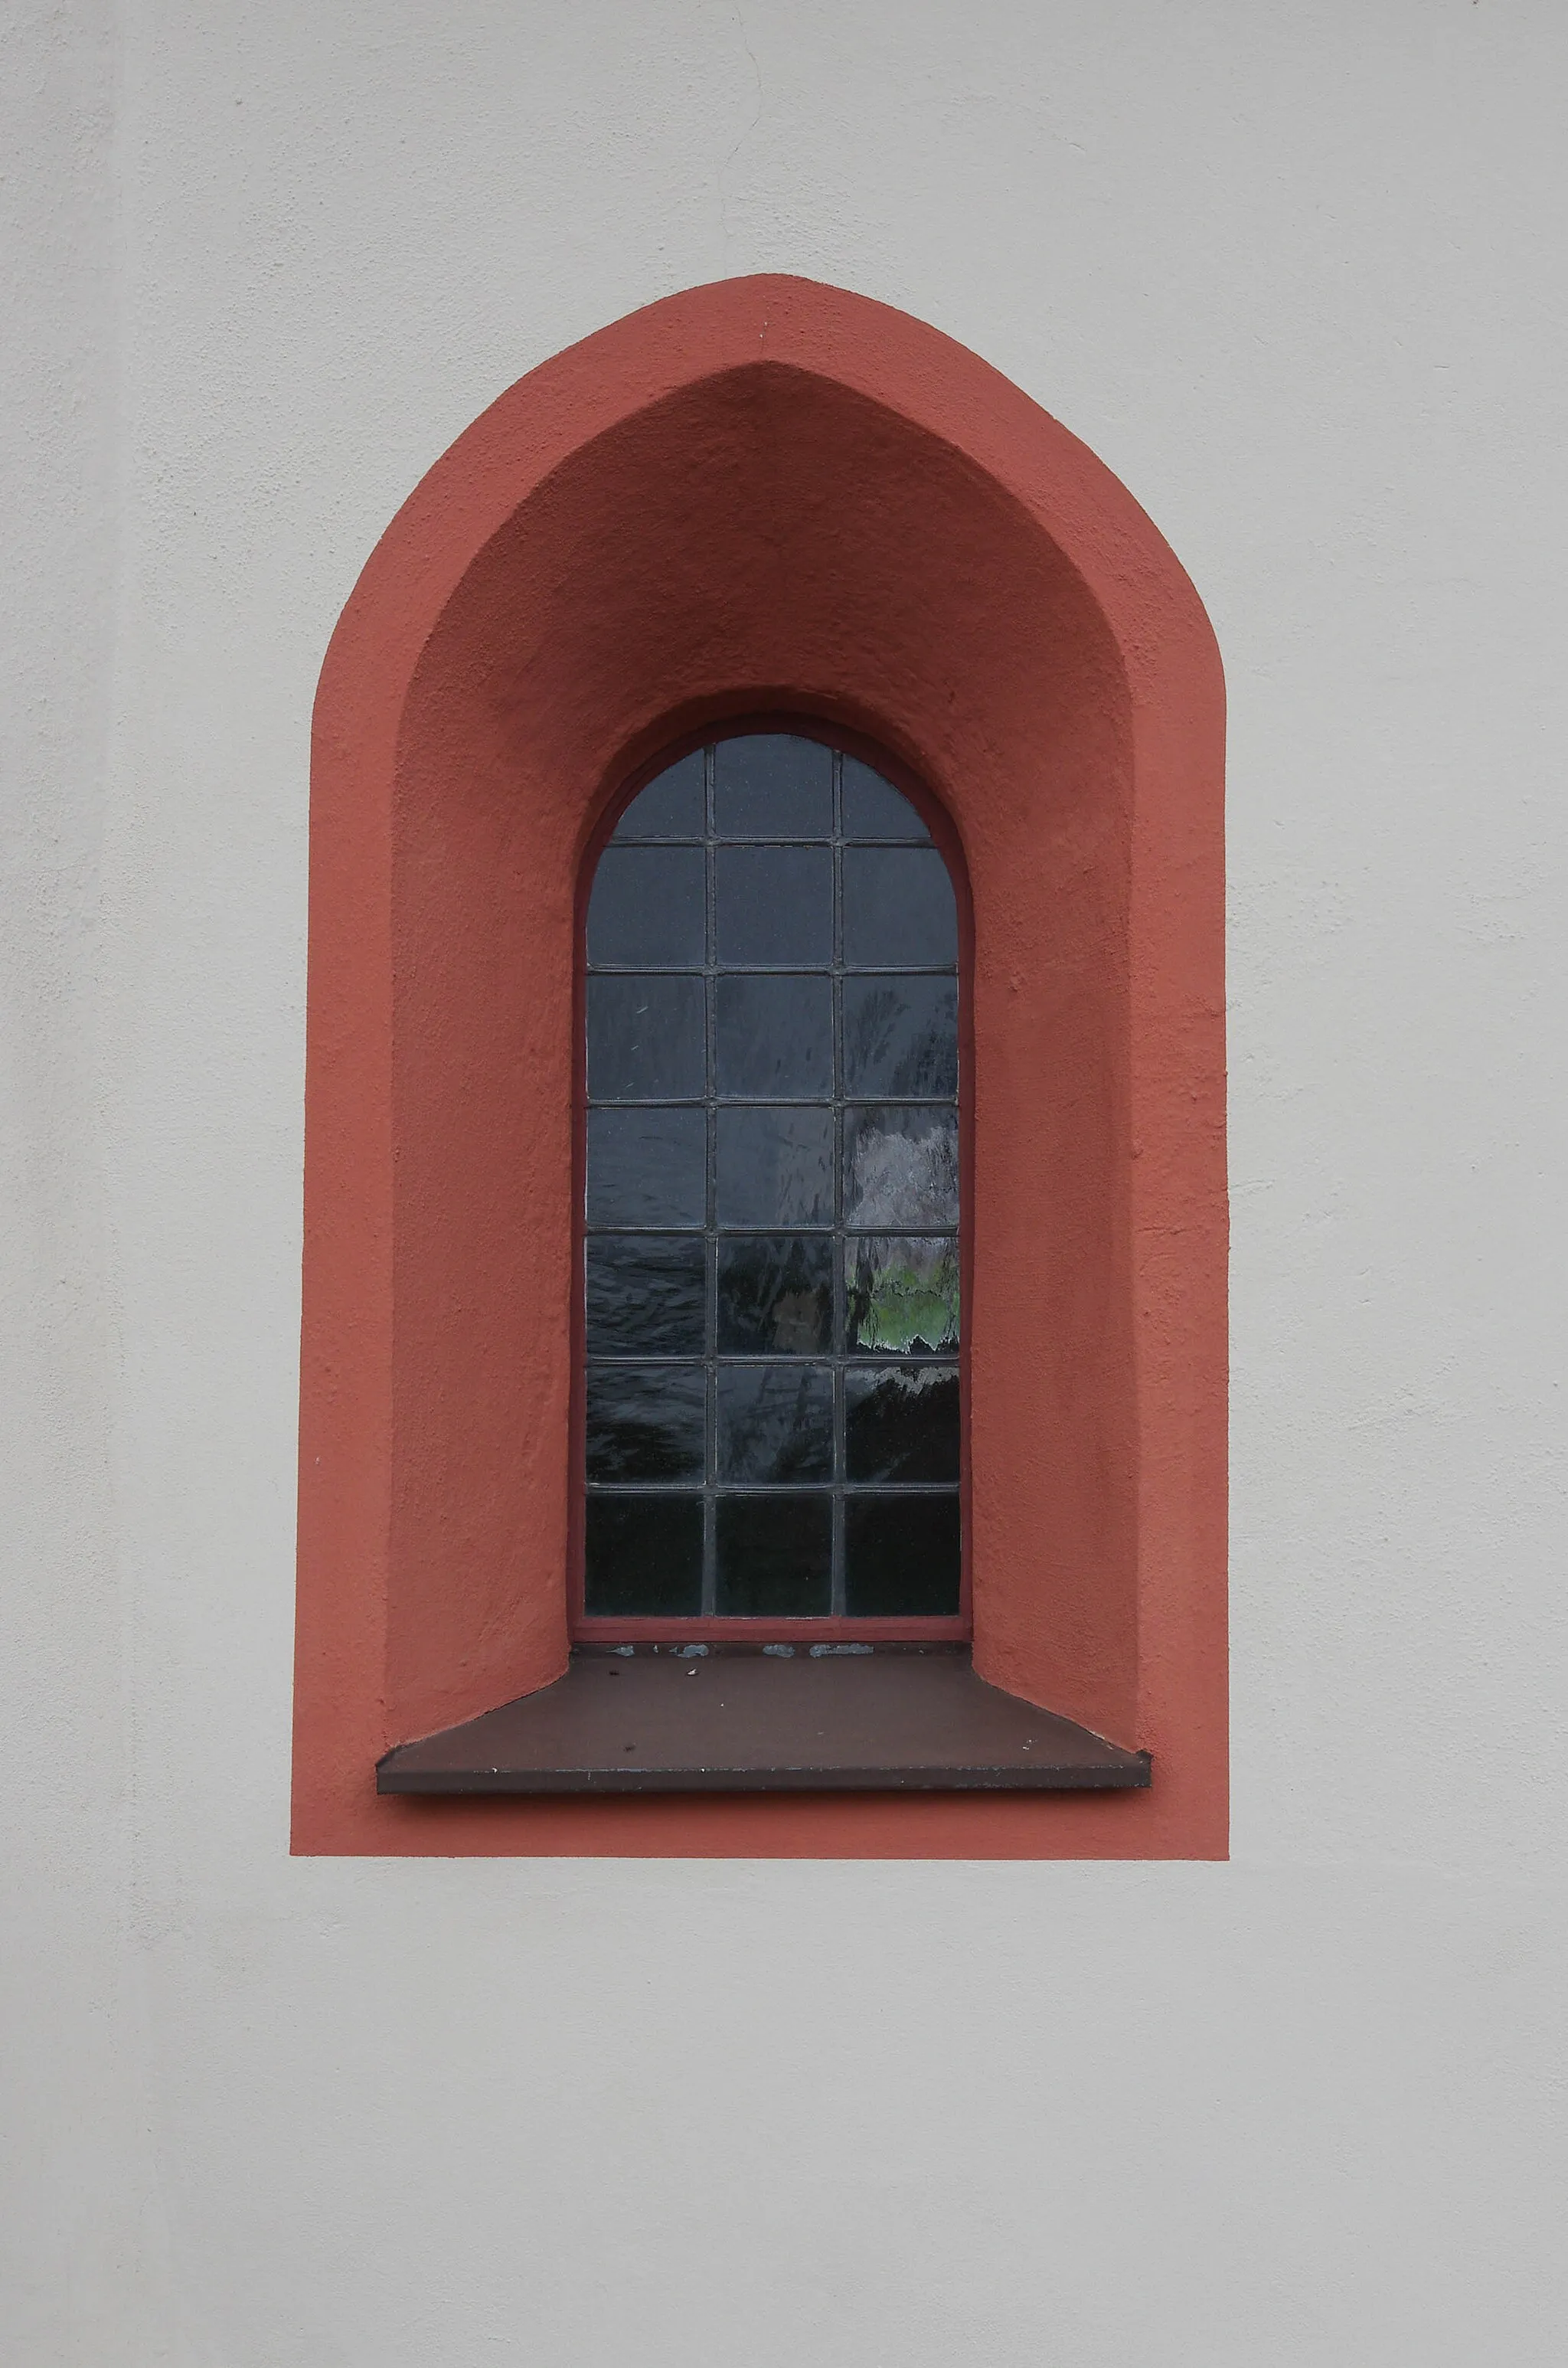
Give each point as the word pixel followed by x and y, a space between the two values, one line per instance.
pixel 904 1296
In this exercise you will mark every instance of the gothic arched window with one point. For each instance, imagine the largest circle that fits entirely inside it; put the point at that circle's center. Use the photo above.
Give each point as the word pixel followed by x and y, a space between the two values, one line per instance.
pixel 771 1424
pixel 622 1357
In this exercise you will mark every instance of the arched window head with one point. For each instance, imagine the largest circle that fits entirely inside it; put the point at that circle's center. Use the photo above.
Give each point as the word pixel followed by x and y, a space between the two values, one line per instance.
pixel 771 1322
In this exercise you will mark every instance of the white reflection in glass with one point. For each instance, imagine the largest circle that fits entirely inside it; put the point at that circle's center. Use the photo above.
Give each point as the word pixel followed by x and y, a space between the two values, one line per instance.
pixel 903 1168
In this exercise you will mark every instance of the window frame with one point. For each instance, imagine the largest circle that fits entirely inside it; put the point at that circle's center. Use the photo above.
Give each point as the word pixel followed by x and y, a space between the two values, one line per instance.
pixel 590 1630
pixel 761 494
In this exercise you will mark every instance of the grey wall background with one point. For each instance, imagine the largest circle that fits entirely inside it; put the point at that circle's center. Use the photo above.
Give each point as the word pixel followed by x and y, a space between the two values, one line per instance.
pixel 1296 275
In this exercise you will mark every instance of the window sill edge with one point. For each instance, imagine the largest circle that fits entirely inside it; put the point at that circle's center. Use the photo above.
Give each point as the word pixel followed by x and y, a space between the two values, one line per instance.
pixel 912 1720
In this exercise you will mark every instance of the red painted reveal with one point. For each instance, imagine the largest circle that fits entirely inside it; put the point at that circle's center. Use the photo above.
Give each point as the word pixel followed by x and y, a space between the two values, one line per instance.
pixel 763 497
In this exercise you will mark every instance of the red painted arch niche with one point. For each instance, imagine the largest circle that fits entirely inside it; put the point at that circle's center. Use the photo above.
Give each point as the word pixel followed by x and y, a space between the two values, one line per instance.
pixel 763 497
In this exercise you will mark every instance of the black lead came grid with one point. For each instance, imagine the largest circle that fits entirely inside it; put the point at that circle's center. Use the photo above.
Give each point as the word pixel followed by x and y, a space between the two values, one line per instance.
pixel 772 1254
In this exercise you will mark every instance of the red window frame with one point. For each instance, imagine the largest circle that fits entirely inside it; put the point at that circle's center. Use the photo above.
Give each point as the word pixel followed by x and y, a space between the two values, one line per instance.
pixel 907 547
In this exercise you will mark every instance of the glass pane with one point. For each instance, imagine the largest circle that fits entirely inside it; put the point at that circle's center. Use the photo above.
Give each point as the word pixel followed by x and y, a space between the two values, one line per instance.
pixel 775 1168
pixel 769 785
pixel 776 1296
pixel 774 1037
pixel 647 1167
pixel 671 806
pixel 902 1422
pixel 901 1556
pixel 900 1036
pixel 644 1038
pixel 874 809
pixel 645 1294
pixel 775 1422
pixel 647 910
pixel 834 1186
pixel 902 1297
pixel 643 1556
pixel 899 912
pixel 775 906
pixel 775 1556
pixel 901 1167
pixel 647 1422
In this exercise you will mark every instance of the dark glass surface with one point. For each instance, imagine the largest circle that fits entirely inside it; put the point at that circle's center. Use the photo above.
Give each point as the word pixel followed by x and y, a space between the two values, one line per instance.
pixel 645 1038
pixel 647 1422
pixel 902 1296
pixel 899 912
pixel 775 1556
pixel 672 806
pixel 901 1167
pixel 775 1422
pixel 874 809
pixel 770 785
pixel 774 1166
pixel 643 1556
pixel 900 1036
pixel 775 1296
pixel 646 1295
pixel 647 909
pixel 793 1451
pixel 901 1556
pixel 647 1166
pixel 901 1422
pixel 774 905
pixel 773 1037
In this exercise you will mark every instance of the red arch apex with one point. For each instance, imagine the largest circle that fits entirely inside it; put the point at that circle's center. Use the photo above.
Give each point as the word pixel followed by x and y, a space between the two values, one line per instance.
pixel 902 363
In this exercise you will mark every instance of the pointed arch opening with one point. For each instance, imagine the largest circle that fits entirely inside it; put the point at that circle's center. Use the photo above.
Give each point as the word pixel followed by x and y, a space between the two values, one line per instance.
pixel 763 499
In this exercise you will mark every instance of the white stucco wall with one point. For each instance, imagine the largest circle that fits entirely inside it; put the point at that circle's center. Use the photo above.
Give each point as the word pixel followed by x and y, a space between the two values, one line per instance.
pixel 1295 273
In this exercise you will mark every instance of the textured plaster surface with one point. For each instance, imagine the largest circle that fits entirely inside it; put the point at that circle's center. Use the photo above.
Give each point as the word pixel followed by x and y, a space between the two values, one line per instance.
pixel 877 522
pixel 1293 275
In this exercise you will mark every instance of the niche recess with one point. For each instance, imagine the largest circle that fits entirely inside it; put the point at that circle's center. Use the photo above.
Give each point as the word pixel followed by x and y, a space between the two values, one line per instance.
pixel 763 497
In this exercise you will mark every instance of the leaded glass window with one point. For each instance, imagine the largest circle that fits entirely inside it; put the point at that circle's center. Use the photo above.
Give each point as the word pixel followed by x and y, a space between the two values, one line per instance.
pixel 771 1221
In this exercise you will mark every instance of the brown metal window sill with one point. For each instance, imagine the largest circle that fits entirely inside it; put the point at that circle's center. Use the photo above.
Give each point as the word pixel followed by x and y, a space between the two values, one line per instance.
pixel 896 1719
